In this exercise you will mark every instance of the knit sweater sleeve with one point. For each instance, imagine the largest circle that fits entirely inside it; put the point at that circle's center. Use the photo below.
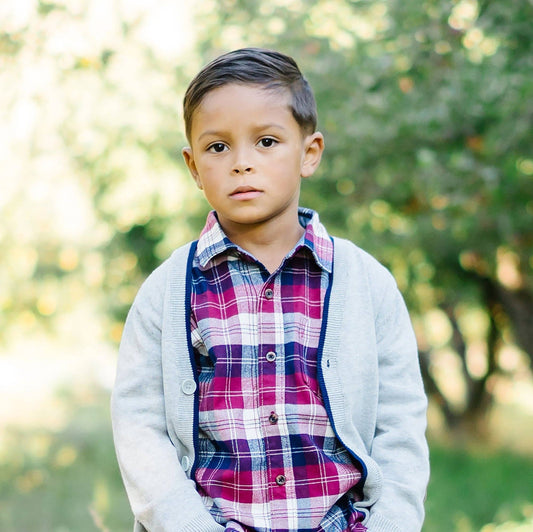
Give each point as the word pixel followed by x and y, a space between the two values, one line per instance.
pixel 162 497
pixel 375 391
pixel 399 445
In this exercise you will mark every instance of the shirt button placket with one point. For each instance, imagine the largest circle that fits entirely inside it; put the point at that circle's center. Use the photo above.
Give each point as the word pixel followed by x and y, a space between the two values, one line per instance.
pixel 268 397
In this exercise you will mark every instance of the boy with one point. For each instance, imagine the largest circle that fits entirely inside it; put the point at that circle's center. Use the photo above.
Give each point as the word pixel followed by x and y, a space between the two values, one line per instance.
pixel 268 377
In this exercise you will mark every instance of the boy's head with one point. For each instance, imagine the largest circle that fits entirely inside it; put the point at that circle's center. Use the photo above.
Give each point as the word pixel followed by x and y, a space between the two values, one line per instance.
pixel 250 118
pixel 254 66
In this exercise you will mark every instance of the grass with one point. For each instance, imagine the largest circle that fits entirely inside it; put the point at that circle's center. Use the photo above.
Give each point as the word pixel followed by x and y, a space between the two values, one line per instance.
pixel 469 490
pixel 68 481
pixel 63 481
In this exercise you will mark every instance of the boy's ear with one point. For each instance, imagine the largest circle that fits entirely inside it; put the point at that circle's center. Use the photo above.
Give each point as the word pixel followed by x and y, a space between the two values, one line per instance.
pixel 191 165
pixel 314 147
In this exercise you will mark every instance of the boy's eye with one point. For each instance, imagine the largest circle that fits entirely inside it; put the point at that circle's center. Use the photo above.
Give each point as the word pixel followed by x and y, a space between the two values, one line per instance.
pixel 267 142
pixel 217 147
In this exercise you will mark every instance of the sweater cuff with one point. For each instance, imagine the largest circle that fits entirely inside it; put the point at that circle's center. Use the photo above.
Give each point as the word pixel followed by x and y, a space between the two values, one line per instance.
pixel 203 524
pixel 379 523
pixel 200 523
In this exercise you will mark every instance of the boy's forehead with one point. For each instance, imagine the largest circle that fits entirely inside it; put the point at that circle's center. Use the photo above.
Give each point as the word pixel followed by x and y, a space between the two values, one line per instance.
pixel 239 97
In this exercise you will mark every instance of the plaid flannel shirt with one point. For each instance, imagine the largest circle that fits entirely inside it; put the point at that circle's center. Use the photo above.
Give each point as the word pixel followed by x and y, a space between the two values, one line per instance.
pixel 268 459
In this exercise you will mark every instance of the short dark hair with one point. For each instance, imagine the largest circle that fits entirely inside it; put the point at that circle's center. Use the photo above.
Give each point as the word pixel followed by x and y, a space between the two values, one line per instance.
pixel 255 66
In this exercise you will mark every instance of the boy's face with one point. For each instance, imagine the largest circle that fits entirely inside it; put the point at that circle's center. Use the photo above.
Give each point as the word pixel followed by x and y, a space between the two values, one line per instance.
pixel 248 154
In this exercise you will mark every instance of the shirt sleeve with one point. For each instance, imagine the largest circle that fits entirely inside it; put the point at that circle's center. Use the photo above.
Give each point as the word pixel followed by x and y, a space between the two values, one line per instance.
pixel 161 496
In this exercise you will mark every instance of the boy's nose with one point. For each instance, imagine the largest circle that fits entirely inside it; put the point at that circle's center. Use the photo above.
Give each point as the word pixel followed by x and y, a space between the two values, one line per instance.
pixel 241 169
pixel 242 163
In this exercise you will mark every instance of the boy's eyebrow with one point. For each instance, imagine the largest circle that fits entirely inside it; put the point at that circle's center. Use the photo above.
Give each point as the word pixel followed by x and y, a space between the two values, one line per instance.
pixel 208 133
pixel 214 132
pixel 272 125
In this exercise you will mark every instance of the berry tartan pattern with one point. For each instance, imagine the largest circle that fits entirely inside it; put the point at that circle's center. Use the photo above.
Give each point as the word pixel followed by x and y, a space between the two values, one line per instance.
pixel 268 459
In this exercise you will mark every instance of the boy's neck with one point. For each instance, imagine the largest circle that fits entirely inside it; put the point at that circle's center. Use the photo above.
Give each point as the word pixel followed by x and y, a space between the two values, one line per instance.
pixel 268 243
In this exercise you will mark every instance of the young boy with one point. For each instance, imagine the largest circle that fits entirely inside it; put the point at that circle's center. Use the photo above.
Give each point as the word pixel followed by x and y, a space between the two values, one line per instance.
pixel 268 377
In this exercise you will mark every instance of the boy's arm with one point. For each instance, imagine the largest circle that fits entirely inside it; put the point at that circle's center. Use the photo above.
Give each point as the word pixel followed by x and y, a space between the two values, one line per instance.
pixel 162 498
pixel 399 445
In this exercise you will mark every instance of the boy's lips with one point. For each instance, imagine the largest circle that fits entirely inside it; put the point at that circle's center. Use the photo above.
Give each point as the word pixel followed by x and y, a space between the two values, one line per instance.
pixel 245 192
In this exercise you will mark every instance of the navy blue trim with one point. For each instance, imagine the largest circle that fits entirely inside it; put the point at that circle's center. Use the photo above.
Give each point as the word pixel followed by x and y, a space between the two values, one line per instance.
pixel 321 381
pixel 187 302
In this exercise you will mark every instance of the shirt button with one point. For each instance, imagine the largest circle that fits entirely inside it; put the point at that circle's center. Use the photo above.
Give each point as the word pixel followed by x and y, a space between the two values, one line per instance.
pixel 188 387
pixel 271 356
pixel 273 418
pixel 280 480
pixel 269 293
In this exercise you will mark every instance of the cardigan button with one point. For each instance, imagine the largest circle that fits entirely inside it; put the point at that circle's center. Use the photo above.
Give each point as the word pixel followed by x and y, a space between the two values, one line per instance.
pixel 188 386
pixel 185 463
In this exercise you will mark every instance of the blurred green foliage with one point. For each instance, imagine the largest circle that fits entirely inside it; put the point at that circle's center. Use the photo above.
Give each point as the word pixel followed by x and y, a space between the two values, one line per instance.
pixel 426 108
pixel 469 489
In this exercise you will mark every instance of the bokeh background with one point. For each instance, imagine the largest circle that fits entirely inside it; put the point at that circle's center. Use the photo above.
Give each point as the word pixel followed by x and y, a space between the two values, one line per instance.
pixel 427 110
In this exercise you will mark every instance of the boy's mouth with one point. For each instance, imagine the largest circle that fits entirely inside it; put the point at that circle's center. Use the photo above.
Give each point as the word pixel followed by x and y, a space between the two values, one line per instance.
pixel 245 192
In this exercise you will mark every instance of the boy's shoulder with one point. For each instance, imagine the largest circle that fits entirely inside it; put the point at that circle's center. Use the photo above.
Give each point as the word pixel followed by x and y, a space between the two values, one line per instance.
pixel 172 270
pixel 349 255
pixel 357 271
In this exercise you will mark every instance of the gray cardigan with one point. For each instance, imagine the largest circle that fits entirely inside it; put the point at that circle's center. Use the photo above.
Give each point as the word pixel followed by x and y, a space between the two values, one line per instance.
pixel 370 381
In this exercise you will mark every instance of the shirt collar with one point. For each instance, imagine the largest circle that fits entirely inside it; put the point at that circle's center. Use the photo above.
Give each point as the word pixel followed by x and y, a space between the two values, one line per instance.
pixel 315 238
pixel 213 241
